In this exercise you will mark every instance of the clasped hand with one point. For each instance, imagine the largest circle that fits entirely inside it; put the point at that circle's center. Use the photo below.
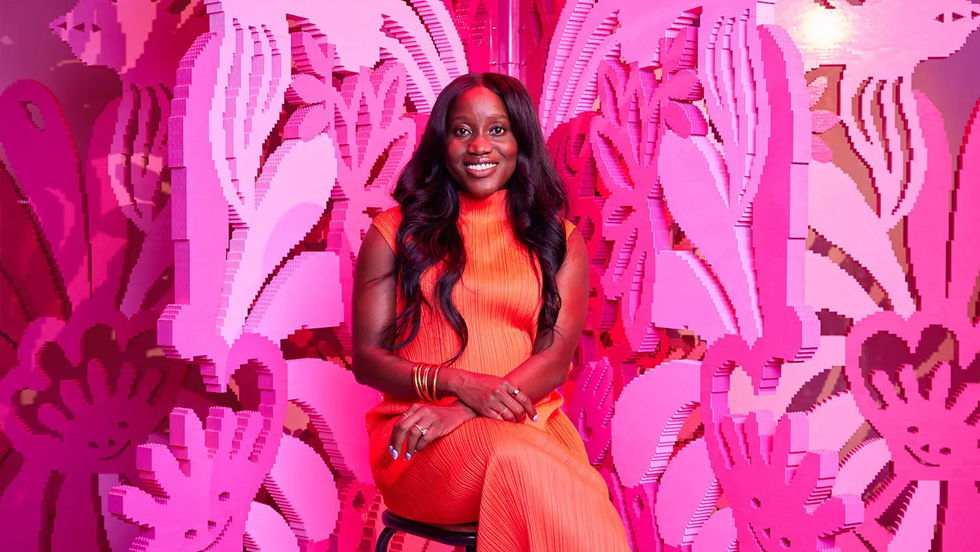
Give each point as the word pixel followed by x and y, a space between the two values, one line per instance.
pixel 478 395
pixel 495 397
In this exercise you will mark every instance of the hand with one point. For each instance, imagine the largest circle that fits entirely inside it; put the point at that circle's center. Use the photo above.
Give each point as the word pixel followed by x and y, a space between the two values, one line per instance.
pixel 494 397
pixel 424 423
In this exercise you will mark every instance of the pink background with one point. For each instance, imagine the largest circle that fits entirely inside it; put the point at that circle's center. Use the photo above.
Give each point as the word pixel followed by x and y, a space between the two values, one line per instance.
pixel 781 201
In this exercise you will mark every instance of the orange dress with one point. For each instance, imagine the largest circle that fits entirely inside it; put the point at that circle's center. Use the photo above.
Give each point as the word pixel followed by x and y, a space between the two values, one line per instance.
pixel 530 485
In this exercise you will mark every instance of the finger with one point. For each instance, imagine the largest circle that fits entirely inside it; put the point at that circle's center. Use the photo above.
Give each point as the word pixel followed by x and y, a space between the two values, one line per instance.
pixel 250 426
pixel 514 410
pixel 412 409
pixel 527 405
pixel 72 396
pixel 967 400
pixel 151 381
pixel 418 430
pixel 886 389
pixel 433 432
pixel 399 434
pixel 52 418
pixel 940 384
pixel 98 384
pixel 909 383
pixel 502 411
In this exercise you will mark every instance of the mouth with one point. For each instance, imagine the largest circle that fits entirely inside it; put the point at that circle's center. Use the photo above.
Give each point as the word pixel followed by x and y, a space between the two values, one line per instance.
pixel 480 170
pixel 117 453
pixel 919 460
pixel 217 540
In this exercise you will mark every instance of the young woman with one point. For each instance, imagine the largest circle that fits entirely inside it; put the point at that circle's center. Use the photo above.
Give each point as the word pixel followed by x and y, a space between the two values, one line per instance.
pixel 469 300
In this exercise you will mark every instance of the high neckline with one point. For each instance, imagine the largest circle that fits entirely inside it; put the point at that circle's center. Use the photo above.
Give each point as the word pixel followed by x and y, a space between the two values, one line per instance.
pixel 492 207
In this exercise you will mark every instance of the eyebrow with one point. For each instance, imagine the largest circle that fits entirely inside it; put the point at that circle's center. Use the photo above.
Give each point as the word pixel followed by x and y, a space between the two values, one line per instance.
pixel 464 117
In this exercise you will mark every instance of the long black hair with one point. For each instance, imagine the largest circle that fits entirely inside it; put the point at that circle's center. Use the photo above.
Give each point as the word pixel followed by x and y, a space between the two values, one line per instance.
pixel 428 233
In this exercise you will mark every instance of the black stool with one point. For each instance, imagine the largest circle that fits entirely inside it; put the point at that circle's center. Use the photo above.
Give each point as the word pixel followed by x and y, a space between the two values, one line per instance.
pixel 453 535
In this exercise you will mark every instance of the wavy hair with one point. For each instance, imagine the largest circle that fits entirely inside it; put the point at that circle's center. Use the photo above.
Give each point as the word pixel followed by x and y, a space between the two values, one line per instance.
pixel 428 233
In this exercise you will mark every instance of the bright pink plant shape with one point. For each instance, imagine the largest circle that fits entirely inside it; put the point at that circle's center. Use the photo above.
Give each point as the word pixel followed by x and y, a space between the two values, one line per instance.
pixel 930 436
pixel 270 202
pixel 779 492
pixel 476 21
pixel 101 388
pixel 624 140
pixel 98 392
pixel 202 485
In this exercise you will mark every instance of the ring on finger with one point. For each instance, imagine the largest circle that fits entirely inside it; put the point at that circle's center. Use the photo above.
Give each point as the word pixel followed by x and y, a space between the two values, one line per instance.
pixel 516 392
pixel 421 429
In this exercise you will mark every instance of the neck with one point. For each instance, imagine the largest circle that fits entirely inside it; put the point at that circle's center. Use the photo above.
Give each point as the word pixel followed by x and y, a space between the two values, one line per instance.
pixel 493 206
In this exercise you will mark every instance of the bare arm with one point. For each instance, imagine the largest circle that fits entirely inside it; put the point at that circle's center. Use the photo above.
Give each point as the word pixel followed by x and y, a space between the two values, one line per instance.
pixel 374 301
pixel 375 305
pixel 548 366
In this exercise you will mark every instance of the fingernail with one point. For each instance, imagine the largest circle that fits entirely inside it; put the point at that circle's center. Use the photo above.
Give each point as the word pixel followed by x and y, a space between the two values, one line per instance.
pixel 394 453
pixel 408 456
pixel 535 418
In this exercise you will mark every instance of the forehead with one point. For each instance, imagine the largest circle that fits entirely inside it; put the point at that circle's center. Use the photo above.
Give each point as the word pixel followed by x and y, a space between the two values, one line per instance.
pixel 478 102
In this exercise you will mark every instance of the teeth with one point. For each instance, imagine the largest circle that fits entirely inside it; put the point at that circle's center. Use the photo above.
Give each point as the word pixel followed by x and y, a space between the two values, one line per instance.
pixel 481 167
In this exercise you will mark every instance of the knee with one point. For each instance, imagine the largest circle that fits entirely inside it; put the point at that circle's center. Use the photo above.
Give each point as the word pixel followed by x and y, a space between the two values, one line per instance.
pixel 520 453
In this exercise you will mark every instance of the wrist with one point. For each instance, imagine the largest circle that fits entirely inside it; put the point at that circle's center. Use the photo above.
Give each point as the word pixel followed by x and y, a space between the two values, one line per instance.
pixel 463 408
pixel 449 382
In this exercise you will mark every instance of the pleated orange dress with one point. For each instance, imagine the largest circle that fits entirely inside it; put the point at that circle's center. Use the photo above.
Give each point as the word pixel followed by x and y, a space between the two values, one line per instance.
pixel 530 485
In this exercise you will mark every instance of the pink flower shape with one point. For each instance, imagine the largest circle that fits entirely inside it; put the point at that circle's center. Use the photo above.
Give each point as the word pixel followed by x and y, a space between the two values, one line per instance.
pixel 931 429
pixel 823 120
pixel 779 492
pixel 680 85
pixel 201 487
pixel 98 388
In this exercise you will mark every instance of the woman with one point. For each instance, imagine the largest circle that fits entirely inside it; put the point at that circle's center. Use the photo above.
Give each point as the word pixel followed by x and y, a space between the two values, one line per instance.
pixel 469 300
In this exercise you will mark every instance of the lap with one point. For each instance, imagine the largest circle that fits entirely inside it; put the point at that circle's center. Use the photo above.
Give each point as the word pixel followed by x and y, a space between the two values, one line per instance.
pixel 443 483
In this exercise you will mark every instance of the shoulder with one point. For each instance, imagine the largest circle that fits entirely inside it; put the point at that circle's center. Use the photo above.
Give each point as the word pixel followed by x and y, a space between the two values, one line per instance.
pixel 387 223
pixel 569 228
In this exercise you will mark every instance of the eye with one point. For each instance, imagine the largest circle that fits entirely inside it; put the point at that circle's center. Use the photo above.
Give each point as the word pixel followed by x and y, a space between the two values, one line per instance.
pixel 461 131
pixel 498 131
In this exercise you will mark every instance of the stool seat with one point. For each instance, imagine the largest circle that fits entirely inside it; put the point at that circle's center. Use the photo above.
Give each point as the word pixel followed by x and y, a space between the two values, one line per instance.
pixel 453 535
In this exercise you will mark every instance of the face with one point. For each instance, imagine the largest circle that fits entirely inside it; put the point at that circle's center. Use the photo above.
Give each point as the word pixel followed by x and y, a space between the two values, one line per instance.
pixel 481 150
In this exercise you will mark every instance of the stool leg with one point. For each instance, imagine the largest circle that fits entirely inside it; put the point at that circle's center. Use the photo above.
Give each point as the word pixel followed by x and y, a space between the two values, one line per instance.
pixel 384 539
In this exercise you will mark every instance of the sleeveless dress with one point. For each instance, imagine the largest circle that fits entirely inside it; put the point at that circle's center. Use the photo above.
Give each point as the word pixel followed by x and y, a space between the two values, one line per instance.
pixel 530 485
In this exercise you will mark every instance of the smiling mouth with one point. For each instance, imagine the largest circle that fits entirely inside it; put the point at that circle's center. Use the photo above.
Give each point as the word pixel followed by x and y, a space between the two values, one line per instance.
pixel 221 535
pixel 480 169
pixel 117 453
pixel 919 460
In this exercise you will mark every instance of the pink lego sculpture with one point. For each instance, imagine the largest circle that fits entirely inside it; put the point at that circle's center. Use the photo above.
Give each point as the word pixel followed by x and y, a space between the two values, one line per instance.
pixel 929 428
pixel 734 166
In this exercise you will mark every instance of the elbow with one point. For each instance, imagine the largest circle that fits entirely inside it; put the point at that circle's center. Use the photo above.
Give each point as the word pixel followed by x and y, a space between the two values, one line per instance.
pixel 359 366
pixel 560 376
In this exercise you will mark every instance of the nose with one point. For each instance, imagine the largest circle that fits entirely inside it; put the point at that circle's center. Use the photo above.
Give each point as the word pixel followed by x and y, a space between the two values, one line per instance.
pixel 479 145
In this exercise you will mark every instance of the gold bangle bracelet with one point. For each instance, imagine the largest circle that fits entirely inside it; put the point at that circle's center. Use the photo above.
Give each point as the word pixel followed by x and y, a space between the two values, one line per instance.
pixel 417 379
pixel 425 383
pixel 435 378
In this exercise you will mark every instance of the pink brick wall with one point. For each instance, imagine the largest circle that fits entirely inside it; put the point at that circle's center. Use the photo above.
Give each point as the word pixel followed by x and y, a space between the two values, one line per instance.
pixel 781 201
